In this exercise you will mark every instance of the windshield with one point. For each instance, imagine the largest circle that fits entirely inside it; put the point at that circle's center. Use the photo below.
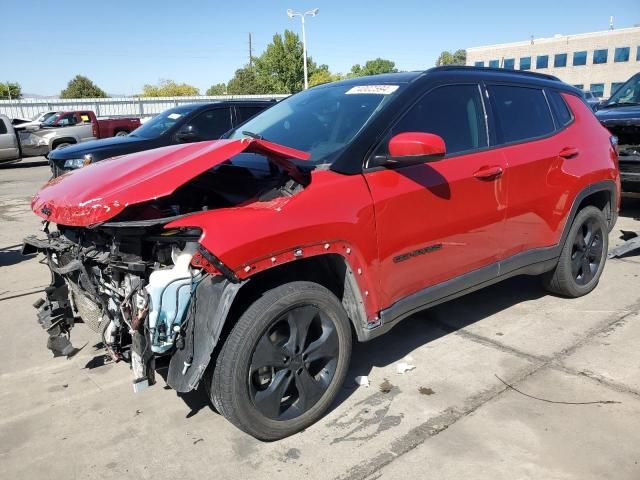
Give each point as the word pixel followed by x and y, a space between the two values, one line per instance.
pixel 162 122
pixel 321 121
pixel 52 119
pixel 629 93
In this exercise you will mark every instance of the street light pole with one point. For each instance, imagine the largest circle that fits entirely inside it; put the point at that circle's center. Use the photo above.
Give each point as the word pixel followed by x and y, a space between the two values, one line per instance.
pixel 311 13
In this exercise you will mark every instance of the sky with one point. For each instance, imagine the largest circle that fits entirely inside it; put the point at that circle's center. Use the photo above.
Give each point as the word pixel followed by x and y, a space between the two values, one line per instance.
pixel 121 45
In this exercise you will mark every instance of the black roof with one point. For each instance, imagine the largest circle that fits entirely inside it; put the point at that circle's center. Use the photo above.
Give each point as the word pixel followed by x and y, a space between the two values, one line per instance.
pixel 459 71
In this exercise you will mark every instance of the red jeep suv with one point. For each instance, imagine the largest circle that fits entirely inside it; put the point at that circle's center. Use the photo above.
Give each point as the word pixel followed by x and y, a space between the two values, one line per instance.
pixel 252 262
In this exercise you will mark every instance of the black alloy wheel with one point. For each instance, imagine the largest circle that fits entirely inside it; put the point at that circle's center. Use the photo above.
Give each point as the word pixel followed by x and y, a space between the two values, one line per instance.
pixel 586 254
pixel 293 363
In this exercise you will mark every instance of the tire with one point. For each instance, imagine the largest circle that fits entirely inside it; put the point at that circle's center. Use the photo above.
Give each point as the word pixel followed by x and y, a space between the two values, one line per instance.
pixel 121 133
pixel 283 362
pixel 583 255
pixel 62 145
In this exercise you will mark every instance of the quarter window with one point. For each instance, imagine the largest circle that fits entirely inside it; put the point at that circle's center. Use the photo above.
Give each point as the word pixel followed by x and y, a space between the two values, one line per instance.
pixel 525 63
pixel 454 112
pixel 579 86
pixel 560 60
pixel 494 63
pixel 560 108
pixel 638 54
pixel 600 56
pixel 521 113
pixel 509 63
pixel 597 89
pixel 542 61
pixel 3 127
pixel 579 58
pixel 621 55
pixel 478 64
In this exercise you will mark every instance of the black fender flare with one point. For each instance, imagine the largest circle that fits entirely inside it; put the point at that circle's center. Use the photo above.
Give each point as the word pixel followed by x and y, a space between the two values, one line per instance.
pixel 207 314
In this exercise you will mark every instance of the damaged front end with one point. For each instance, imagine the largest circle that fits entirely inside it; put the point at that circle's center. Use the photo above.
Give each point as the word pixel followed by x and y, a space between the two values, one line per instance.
pixel 146 290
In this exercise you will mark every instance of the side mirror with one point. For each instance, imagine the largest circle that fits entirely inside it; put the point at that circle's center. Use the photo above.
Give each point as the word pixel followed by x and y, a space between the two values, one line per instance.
pixel 188 133
pixel 412 148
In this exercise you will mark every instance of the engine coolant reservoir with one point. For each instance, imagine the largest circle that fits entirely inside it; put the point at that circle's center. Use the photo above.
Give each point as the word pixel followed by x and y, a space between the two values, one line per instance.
pixel 170 292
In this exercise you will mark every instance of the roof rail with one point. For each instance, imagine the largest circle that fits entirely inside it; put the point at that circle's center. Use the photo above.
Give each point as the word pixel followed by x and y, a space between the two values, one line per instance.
pixel 496 70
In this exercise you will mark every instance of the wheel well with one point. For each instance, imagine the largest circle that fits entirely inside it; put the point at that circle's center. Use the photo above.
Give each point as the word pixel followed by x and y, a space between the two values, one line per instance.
pixel 120 129
pixel 58 141
pixel 330 270
pixel 601 200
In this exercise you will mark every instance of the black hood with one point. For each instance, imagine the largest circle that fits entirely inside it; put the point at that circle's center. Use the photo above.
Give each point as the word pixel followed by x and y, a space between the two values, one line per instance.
pixel 105 148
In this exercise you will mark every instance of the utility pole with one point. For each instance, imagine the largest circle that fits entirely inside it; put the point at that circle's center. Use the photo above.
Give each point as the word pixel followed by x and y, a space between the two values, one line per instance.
pixel 250 52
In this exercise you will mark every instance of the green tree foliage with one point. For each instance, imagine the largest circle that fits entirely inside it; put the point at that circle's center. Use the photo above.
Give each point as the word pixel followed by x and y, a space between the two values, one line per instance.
pixel 280 67
pixel 323 75
pixel 217 89
pixel 81 87
pixel 246 82
pixel 459 57
pixel 169 88
pixel 373 67
pixel 10 89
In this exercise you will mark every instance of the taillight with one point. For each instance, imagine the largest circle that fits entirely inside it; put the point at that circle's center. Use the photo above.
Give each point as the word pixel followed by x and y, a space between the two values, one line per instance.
pixel 94 129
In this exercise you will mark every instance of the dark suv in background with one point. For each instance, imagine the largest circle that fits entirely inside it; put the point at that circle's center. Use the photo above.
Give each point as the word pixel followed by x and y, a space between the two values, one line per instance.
pixel 183 124
pixel 621 116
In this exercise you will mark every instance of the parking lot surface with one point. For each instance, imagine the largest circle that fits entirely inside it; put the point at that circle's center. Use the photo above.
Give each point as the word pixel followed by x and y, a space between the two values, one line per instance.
pixel 453 416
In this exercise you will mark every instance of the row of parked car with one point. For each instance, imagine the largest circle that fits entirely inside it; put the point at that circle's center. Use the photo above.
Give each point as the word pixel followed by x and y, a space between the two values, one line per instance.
pixel 252 262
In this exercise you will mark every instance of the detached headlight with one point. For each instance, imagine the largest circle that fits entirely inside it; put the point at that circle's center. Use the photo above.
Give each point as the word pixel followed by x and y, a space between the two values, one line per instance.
pixel 77 162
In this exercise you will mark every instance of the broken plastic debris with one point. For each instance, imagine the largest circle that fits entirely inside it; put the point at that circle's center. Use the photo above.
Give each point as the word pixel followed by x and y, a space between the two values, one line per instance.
pixel 362 381
pixel 403 367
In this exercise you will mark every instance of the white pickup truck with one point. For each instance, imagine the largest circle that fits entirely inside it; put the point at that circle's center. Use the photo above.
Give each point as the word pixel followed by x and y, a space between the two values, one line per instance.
pixel 9 145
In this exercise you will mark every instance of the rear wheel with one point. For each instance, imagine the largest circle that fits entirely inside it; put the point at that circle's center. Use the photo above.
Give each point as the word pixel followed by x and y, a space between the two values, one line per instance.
pixel 121 133
pixel 283 362
pixel 62 145
pixel 583 255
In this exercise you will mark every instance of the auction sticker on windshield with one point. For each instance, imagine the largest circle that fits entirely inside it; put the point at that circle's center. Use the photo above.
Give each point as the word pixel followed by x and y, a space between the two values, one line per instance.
pixel 174 116
pixel 375 89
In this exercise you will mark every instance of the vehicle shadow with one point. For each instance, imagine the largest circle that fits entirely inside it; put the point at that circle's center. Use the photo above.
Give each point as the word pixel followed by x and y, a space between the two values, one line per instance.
pixel 12 255
pixel 410 334
pixel 430 325
pixel 630 208
pixel 24 164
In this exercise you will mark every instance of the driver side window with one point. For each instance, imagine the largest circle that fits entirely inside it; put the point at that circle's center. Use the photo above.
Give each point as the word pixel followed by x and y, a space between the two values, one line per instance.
pixel 454 112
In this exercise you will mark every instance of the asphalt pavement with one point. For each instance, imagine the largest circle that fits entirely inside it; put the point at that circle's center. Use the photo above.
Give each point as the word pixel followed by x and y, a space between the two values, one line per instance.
pixel 509 382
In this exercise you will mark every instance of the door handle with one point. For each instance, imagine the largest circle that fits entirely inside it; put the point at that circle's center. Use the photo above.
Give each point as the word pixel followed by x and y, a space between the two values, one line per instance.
pixel 569 152
pixel 488 173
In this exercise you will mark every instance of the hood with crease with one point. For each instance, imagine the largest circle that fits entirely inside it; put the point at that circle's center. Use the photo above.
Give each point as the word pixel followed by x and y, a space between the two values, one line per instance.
pixel 99 192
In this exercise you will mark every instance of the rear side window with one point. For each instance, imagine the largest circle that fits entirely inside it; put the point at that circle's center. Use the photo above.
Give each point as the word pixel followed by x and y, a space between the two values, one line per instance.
pixel 560 108
pixel 454 112
pixel 245 113
pixel 3 127
pixel 521 113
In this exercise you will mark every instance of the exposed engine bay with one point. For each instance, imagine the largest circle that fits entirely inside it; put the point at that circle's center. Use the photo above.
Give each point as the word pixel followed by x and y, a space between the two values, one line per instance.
pixel 138 285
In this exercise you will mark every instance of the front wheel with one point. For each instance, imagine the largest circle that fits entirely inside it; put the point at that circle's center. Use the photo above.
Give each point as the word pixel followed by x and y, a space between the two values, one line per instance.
pixel 284 361
pixel 583 255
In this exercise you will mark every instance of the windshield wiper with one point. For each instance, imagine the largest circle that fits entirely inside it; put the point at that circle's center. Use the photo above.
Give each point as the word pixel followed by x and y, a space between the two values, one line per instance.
pixel 247 133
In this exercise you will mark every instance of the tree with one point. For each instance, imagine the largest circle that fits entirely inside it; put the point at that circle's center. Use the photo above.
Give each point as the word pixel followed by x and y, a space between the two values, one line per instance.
pixel 459 57
pixel 217 89
pixel 246 82
pixel 169 88
pixel 373 67
pixel 280 67
pixel 10 90
pixel 323 75
pixel 81 87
